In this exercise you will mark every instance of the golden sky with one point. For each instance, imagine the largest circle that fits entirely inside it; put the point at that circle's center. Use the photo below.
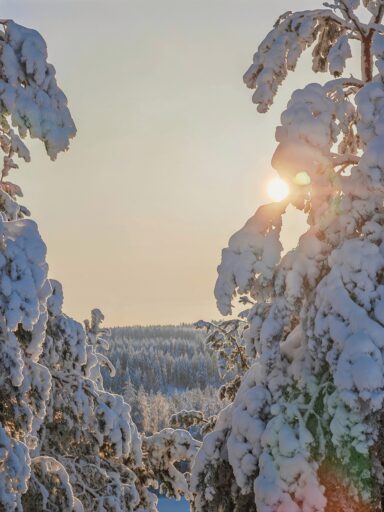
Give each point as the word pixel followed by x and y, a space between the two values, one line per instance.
pixel 171 156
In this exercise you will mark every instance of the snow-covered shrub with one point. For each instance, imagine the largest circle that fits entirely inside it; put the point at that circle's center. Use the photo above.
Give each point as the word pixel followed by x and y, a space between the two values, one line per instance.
pixel 304 431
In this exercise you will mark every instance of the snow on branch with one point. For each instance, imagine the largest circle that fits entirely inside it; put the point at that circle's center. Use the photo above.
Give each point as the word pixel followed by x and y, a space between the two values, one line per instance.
pixel 161 451
pixel 283 46
pixel 29 93
pixel 50 487
pixel 252 254
pixel 15 460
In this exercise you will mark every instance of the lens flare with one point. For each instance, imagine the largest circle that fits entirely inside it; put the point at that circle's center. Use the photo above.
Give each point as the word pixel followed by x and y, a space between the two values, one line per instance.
pixel 302 178
pixel 339 497
pixel 277 189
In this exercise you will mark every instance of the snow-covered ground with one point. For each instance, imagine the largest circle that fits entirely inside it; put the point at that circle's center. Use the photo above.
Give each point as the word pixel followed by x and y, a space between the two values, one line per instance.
pixel 167 505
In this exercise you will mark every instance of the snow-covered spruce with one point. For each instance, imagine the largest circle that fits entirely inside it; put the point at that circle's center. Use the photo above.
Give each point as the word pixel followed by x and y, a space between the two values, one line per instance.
pixel 65 443
pixel 90 431
pixel 30 103
pixel 304 432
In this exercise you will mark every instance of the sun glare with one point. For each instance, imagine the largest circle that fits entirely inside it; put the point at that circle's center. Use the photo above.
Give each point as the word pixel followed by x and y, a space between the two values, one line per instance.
pixel 277 189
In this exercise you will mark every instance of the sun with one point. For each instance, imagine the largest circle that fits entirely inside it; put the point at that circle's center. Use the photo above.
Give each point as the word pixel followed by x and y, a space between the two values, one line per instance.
pixel 277 189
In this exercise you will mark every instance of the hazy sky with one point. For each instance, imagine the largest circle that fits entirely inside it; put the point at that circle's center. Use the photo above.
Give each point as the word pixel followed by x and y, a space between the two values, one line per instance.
pixel 171 156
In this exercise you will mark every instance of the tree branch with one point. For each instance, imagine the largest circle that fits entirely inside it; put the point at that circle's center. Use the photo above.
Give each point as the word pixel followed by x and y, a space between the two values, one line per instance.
pixel 349 15
pixel 346 159
pixel 343 82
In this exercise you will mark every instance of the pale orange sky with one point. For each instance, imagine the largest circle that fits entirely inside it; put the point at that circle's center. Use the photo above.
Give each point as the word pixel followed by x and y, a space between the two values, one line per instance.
pixel 171 156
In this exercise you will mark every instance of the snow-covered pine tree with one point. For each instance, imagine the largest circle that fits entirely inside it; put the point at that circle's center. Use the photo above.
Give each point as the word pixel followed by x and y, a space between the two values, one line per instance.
pixel 89 431
pixel 65 443
pixel 305 430
pixel 32 104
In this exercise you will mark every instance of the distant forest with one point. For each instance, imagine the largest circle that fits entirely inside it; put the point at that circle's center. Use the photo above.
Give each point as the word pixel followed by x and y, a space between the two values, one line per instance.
pixel 161 370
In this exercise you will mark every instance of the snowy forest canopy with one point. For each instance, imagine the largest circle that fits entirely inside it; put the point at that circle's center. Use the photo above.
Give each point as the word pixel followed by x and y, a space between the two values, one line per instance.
pixel 161 358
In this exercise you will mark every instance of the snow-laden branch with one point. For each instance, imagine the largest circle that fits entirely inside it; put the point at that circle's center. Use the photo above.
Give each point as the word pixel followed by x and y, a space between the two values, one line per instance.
pixel 281 49
pixel 251 255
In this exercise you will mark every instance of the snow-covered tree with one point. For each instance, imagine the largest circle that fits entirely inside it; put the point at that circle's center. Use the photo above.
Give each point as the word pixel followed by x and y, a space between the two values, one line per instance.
pixel 304 432
pixel 31 104
pixel 89 431
pixel 66 444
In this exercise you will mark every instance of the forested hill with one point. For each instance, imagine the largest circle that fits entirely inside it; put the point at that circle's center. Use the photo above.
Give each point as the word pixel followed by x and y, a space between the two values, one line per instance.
pixel 161 358
pixel 161 370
